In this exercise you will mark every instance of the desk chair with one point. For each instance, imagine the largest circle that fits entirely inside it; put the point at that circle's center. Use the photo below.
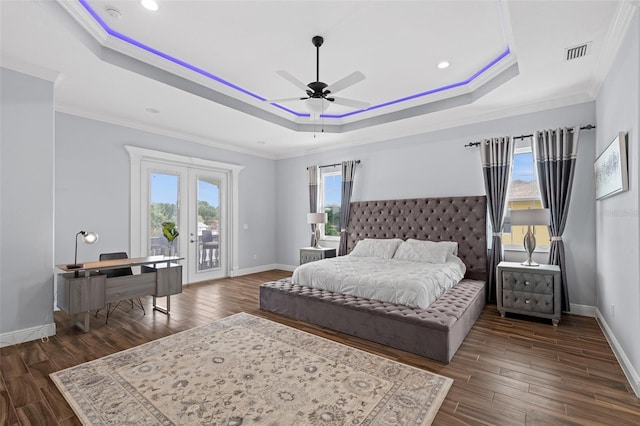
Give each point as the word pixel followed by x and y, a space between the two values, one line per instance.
pixel 120 272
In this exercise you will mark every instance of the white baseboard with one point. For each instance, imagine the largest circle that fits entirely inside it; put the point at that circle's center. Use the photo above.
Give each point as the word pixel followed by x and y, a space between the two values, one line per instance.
pixel 27 334
pixel 584 310
pixel 262 268
pixel 282 267
pixel 632 375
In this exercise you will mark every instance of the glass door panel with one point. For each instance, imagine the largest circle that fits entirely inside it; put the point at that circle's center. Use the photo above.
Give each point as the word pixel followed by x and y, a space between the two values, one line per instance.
pixel 208 219
pixel 163 207
pixel 207 227
pixel 194 200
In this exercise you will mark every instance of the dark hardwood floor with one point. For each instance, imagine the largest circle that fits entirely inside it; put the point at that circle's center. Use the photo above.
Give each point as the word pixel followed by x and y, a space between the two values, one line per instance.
pixel 508 371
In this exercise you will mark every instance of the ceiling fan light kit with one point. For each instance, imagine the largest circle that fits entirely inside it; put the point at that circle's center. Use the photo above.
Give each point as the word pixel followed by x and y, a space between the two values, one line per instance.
pixel 316 105
pixel 319 95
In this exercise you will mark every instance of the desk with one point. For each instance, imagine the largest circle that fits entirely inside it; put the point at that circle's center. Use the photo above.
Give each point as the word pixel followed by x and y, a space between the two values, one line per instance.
pixel 85 289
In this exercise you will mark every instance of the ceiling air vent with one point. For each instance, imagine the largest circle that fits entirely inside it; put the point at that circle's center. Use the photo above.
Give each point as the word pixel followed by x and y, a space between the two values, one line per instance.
pixel 576 52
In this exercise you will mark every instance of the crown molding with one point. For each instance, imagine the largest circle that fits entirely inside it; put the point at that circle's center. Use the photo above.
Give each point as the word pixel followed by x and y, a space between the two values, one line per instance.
pixel 86 21
pixel 617 32
pixel 449 124
pixel 30 69
pixel 68 109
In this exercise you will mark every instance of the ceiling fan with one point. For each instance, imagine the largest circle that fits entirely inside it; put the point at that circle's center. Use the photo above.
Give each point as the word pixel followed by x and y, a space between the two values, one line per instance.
pixel 319 94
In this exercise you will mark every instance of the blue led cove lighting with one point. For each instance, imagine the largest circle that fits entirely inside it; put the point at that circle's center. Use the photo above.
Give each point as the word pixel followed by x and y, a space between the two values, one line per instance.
pixel 220 80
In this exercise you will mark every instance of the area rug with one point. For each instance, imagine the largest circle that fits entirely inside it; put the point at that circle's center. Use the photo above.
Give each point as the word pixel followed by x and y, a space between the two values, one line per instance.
pixel 246 370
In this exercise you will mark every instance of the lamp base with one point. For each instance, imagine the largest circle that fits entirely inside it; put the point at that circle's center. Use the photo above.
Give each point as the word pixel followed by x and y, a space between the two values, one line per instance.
pixel 75 266
pixel 529 247
pixel 317 235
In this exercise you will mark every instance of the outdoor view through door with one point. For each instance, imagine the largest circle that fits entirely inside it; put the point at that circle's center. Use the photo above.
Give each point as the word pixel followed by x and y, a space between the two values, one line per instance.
pixel 163 208
pixel 195 197
pixel 208 218
pixel 191 201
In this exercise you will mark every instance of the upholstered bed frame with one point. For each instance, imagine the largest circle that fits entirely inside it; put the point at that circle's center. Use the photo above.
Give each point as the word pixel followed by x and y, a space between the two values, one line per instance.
pixel 436 332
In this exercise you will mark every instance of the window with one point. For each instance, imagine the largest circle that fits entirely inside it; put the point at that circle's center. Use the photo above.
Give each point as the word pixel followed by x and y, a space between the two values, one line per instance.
pixel 330 200
pixel 523 194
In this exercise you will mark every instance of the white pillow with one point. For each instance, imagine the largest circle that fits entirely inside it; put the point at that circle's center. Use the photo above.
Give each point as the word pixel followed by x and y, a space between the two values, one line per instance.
pixel 422 251
pixel 453 245
pixel 372 247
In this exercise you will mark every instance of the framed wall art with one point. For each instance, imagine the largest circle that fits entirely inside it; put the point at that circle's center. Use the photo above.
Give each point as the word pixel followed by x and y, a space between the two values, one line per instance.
pixel 611 168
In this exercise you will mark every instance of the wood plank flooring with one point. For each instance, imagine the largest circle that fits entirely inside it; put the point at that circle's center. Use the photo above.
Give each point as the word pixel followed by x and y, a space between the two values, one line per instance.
pixel 508 371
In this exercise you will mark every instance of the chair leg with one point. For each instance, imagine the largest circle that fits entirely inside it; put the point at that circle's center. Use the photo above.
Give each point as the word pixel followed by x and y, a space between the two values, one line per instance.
pixel 138 303
pixel 110 311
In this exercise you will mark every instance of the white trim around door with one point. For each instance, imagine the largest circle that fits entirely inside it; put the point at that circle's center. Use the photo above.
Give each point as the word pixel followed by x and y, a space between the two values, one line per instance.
pixel 137 155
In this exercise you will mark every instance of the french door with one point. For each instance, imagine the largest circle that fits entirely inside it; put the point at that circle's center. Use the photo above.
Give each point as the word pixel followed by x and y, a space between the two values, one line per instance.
pixel 194 200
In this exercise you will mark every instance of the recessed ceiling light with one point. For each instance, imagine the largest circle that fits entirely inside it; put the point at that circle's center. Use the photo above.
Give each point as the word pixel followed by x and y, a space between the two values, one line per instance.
pixel 149 5
pixel 152 110
pixel 444 64
pixel 113 12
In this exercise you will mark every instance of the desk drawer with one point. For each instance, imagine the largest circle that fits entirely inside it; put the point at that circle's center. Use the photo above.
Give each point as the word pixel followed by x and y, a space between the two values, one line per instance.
pixel 81 294
pixel 169 281
pixel 130 287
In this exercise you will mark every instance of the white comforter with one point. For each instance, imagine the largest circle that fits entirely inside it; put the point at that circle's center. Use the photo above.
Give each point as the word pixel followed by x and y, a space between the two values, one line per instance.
pixel 415 284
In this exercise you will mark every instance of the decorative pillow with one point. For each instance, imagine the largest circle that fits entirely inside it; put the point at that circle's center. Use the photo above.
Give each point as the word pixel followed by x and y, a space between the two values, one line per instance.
pixel 453 245
pixel 371 247
pixel 422 251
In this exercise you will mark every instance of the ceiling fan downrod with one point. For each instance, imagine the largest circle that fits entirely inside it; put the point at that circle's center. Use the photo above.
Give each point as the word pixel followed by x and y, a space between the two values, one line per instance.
pixel 317 42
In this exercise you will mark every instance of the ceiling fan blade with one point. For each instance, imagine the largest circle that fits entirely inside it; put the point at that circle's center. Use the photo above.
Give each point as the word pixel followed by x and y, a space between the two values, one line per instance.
pixel 285 100
pixel 352 78
pixel 293 80
pixel 351 103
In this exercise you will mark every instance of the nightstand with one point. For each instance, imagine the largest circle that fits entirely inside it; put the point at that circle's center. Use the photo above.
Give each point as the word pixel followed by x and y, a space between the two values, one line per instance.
pixel 529 290
pixel 311 254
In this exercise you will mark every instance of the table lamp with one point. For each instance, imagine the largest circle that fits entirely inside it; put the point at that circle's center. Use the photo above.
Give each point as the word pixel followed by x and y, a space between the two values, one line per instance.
pixel 316 219
pixel 530 218
pixel 88 238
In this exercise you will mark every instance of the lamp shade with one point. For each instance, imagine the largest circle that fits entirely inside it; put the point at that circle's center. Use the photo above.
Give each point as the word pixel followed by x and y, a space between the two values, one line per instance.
pixel 316 217
pixel 530 217
pixel 89 237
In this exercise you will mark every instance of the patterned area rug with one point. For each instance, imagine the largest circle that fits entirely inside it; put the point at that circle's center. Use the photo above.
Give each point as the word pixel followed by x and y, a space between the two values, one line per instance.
pixel 245 370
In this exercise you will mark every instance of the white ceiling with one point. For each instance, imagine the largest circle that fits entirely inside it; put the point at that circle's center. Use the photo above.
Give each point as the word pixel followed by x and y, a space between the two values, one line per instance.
pixel 395 44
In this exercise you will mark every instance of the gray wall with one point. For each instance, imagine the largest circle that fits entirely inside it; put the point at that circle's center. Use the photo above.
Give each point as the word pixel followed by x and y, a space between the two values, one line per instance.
pixel 438 164
pixel 93 188
pixel 617 217
pixel 26 204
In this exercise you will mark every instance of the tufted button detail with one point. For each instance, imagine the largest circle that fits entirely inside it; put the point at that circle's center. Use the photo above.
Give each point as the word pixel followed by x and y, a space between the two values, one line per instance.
pixel 442 313
pixel 461 219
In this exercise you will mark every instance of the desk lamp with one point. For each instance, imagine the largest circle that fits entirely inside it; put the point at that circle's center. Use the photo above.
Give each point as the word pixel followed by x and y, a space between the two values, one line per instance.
pixel 316 219
pixel 530 218
pixel 88 238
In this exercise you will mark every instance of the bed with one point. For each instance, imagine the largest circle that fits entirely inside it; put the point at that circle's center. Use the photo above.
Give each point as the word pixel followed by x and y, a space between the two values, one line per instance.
pixel 436 331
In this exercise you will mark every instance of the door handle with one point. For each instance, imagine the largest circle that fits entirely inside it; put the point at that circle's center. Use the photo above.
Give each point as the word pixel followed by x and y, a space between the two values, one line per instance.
pixel 192 241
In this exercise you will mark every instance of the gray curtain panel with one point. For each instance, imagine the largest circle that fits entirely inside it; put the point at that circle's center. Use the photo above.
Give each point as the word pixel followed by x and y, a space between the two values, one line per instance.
pixel 348 173
pixel 555 152
pixel 496 155
pixel 313 198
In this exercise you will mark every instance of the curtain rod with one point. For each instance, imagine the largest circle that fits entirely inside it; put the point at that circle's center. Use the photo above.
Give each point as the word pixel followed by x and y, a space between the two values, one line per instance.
pixel 333 165
pixel 587 127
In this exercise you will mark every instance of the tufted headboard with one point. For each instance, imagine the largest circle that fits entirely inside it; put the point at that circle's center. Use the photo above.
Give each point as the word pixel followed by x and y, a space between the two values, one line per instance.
pixel 461 219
